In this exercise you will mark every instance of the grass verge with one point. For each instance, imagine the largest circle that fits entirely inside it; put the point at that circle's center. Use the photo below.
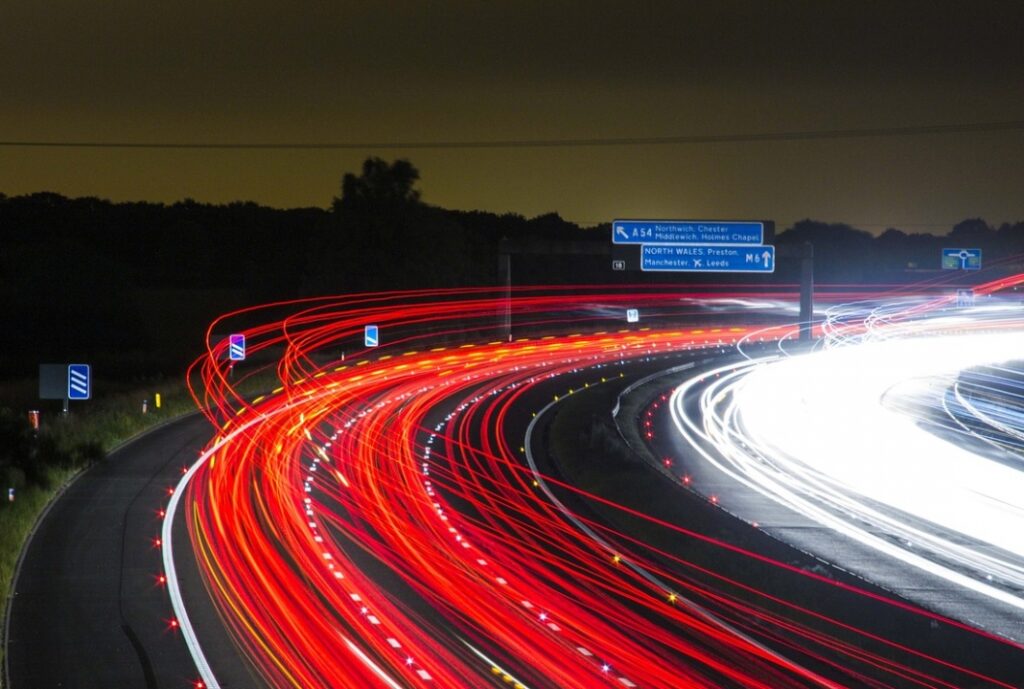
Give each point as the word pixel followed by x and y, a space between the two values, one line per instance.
pixel 87 434
pixel 75 442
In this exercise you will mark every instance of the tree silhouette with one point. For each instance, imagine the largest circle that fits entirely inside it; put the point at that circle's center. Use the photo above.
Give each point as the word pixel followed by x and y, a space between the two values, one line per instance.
pixel 381 185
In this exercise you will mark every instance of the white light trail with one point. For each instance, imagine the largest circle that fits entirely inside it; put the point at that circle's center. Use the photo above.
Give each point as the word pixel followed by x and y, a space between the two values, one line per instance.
pixel 840 435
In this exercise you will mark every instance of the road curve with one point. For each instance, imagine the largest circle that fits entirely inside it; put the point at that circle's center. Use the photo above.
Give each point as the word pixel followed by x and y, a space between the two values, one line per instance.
pixel 348 457
pixel 88 609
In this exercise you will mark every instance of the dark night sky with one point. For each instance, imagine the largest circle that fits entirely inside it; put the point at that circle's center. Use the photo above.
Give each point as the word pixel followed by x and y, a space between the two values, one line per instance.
pixel 264 71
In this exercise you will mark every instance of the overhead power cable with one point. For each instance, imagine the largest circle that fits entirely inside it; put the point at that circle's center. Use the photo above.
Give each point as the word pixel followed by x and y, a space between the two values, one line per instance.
pixel 806 135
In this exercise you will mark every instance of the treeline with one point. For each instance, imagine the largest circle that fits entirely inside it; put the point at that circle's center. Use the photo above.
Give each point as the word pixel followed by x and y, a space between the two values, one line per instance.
pixel 844 254
pixel 133 285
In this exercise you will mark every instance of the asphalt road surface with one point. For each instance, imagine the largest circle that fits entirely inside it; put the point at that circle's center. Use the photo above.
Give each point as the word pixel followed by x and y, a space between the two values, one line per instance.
pixel 88 609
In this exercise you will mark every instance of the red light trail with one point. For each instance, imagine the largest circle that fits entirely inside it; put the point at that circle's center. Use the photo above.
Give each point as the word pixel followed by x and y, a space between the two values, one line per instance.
pixel 408 460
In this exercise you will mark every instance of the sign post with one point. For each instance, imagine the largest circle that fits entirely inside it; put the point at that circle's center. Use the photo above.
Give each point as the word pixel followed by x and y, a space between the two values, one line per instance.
pixel 65 382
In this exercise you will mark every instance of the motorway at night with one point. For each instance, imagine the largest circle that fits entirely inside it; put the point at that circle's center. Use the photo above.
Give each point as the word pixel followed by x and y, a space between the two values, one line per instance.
pixel 387 525
pixel 518 344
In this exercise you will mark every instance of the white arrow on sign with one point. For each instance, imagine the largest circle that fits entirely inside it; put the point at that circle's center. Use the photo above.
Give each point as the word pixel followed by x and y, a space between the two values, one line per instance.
pixel 767 257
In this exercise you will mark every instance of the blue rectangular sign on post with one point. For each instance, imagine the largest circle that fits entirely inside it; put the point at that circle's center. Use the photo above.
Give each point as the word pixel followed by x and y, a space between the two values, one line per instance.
pixel 737 233
pixel 371 336
pixel 961 259
pixel 709 258
pixel 79 382
pixel 236 347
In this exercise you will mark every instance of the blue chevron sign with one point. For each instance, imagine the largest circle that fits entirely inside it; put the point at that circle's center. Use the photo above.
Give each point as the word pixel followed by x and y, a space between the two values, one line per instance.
pixel 79 382
pixel 236 347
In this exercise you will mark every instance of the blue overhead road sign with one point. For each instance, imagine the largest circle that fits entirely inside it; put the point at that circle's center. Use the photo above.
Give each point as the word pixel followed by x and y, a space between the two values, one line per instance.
pixel 709 258
pixel 79 382
pixel 687 232
pixel 961 259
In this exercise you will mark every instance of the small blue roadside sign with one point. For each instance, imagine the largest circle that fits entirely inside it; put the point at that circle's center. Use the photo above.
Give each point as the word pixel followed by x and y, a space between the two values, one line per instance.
pixel 371 337
pixel 736 233
pixel 79 382
pixel 965 297
pixel 707 259
pixel 961 259
pixel 236 347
